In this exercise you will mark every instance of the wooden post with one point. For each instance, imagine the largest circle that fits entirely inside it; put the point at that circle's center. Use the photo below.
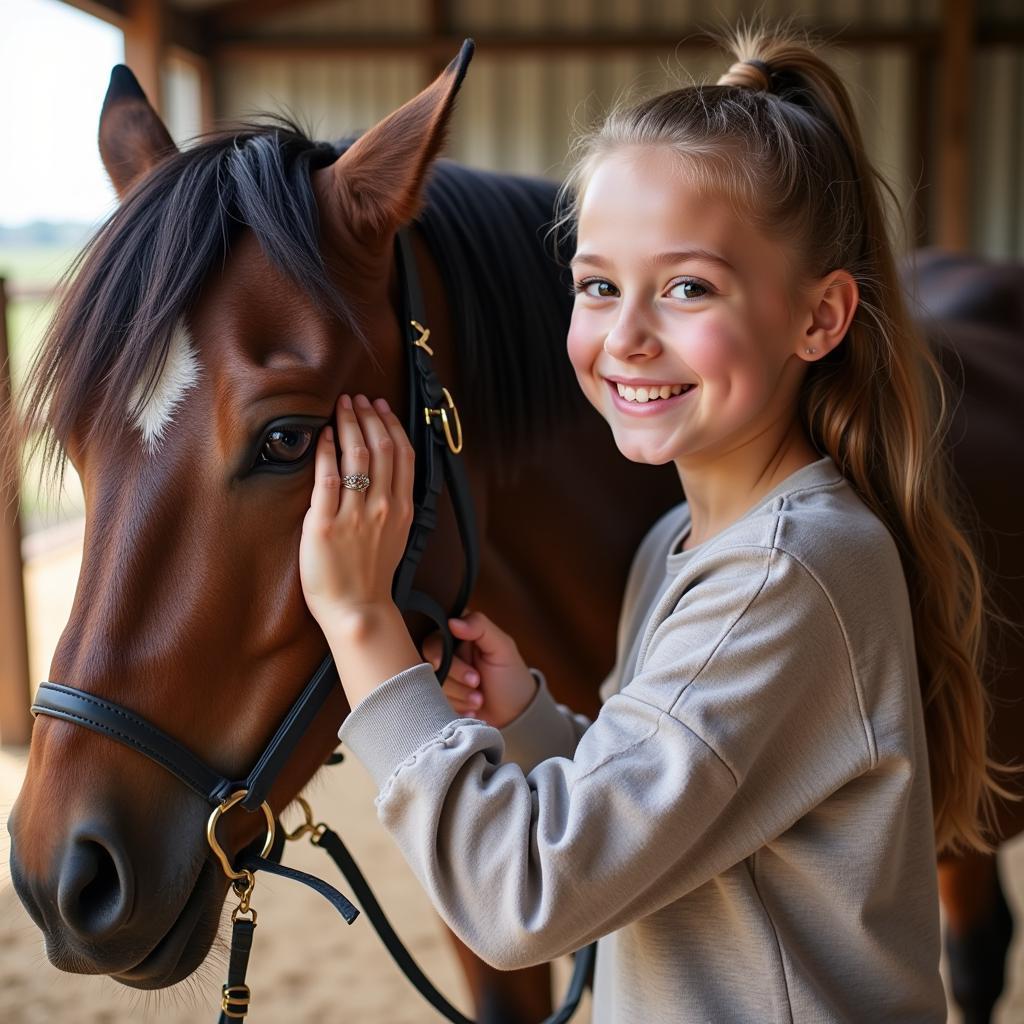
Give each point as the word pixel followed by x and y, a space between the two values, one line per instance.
pixel 207 97
pixel 956 68
pixel 439 22
pixel 144 26
pixel 15 694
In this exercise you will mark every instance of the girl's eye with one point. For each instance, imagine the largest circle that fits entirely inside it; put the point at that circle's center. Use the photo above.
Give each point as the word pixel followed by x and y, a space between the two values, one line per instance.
pixel 284 445
pixel 689 290
pixel 597 288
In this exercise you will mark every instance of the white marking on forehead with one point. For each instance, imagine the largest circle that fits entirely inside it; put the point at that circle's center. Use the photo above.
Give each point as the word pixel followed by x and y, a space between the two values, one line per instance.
pixel 180 372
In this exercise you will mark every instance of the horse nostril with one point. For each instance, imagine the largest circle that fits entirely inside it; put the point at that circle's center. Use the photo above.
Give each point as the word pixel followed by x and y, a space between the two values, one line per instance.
pixel 96 891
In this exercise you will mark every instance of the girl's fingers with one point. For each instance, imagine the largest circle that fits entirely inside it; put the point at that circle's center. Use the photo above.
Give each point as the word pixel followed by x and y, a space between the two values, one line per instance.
pixel 460 670
pixel 327 480
pixel 378 440
pixel 355 456
pixel 457 692
pixel 490 641
pixel 405 457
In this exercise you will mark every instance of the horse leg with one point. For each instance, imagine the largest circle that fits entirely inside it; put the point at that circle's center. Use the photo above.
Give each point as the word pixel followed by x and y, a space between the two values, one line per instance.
pixel 505 997
pixel 978 932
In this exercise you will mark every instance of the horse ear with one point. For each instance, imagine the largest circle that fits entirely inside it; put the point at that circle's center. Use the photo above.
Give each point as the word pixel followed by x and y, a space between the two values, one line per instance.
pixel 132 137
pixel 380 177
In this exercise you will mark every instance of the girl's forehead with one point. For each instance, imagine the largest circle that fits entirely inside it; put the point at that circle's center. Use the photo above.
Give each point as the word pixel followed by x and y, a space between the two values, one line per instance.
pixel 644 197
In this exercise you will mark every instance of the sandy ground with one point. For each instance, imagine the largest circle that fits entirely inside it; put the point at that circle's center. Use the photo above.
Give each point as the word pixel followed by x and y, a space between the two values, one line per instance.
pixel 307 965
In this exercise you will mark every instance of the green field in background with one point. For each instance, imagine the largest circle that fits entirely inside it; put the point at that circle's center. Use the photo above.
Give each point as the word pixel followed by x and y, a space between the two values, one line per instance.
pixel 27 320
pixel 35 264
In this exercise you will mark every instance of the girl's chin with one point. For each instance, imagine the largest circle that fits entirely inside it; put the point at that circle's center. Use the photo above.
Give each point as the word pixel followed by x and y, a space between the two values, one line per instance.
pixel 642 453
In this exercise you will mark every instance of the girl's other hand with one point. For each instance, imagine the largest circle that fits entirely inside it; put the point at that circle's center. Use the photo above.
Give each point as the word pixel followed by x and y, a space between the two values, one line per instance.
pixel 488 678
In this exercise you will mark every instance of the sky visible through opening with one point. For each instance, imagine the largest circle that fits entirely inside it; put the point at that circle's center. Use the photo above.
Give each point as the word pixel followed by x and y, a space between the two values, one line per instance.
pixel 55 64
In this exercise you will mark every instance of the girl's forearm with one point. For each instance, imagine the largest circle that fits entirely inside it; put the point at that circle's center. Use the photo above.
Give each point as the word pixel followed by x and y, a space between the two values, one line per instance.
pixel 370 645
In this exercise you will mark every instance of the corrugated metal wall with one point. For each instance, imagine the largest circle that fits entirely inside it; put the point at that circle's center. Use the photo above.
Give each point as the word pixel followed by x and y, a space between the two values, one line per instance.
pixel 516 111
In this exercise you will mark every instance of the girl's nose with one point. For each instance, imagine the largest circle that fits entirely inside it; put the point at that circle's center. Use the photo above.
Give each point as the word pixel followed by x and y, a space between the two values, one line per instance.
pixel 631 337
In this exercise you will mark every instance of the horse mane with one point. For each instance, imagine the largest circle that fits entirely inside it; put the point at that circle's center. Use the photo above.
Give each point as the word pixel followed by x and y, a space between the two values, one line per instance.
pixel 144 267
pixel 510 297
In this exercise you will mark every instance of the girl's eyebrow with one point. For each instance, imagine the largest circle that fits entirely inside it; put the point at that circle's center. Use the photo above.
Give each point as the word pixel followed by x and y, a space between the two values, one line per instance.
pixel 662 259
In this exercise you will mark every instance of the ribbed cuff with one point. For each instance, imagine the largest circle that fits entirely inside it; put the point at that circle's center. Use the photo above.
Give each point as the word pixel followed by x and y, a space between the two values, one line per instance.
pixel 396 719
pixel 539 732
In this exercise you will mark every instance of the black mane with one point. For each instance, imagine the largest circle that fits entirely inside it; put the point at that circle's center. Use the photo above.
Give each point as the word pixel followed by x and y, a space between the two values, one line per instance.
pixel 145 266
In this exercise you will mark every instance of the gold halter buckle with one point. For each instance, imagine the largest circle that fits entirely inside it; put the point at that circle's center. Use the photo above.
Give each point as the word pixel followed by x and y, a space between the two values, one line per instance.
pixel 234 1000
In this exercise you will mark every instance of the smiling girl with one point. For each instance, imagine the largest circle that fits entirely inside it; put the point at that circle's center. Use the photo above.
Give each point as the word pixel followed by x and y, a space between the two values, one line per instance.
pixel 795 721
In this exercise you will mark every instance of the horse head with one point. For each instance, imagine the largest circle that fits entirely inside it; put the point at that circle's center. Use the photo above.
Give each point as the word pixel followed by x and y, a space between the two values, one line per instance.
pixel 238 288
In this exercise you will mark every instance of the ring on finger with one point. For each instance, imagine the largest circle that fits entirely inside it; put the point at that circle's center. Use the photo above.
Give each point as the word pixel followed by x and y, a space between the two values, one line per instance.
pixel 355 481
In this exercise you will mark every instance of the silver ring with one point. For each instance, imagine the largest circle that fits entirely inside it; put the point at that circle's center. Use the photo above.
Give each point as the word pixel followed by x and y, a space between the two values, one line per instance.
pixel 355 481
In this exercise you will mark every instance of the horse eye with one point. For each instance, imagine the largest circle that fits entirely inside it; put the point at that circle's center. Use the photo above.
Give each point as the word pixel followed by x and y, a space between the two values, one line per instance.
pixel 286 444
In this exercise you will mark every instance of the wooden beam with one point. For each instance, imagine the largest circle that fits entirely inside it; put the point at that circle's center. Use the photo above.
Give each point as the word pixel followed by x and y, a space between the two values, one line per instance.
pixel 180 28
pixel 956 68
pixel 242 13
pixel 207 100
pixel 144 45
pixel 111 11
pixel 15 692
pixel 444 46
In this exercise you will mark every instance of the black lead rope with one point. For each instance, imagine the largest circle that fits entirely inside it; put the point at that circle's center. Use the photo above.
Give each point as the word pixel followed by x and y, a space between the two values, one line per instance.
pixel 436 433
pixel 329 841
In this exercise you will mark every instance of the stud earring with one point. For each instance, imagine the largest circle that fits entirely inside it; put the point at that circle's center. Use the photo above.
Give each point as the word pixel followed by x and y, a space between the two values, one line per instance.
pixel 810 351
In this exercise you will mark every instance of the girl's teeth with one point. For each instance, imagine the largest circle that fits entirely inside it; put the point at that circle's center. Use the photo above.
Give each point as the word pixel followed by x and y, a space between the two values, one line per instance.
pixel 649 394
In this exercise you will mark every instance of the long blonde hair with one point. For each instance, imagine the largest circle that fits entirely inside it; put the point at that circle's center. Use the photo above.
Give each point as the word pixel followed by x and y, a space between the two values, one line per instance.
pixel 778 137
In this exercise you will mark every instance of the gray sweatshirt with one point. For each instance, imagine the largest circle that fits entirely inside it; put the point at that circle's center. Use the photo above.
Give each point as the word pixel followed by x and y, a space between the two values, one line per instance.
pixel 746 826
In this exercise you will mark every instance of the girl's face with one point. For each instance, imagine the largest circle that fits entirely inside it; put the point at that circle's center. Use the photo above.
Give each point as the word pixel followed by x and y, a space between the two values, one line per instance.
pixel 681 335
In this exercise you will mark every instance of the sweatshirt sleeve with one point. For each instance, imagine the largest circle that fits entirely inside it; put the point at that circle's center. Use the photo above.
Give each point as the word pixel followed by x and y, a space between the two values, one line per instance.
pixel 742 716
pixel 543 729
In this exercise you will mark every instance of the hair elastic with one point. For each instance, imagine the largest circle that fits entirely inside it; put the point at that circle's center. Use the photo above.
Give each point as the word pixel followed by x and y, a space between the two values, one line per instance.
pixel 761 66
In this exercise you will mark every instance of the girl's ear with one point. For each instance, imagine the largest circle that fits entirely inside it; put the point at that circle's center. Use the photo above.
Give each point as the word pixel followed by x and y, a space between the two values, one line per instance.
pixel 380 177
pixel 834 300
pixel 132 137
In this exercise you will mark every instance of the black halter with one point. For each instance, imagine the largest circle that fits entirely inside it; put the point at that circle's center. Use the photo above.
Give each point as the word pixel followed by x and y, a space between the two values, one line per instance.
pixel 436 434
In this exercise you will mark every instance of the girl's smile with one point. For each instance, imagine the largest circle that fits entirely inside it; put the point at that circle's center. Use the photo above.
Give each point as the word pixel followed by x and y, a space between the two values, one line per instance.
pixel 642 397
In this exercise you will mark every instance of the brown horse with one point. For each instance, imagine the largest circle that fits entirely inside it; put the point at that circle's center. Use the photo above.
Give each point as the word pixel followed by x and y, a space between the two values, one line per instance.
pixel 973 314
pixel 238 289
pixel 240 286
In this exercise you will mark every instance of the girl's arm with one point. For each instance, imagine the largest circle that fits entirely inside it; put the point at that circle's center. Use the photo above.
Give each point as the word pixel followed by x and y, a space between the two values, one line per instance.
pixel 729 734
pixel 743 717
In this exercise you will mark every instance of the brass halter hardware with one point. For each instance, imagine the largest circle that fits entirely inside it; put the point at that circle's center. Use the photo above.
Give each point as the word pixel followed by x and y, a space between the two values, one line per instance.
pixel 314 831
pixel 211 832
pixel 421 341
pixel 243 882
pixel 455 446
pixel 234 1001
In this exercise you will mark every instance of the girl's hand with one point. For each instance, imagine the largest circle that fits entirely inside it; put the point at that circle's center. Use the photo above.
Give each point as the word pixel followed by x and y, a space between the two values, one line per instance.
pixel 352 541
pixel 488 678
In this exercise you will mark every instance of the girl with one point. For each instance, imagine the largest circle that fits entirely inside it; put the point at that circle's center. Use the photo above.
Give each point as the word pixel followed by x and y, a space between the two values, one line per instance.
pixel 795 720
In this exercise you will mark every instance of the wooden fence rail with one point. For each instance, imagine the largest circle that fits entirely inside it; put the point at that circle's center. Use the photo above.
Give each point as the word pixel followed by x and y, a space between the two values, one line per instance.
pixel 15 694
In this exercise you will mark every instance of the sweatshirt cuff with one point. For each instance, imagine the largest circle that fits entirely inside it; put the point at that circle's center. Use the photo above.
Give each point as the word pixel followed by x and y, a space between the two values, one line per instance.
pixel 396 719
pixel 538 732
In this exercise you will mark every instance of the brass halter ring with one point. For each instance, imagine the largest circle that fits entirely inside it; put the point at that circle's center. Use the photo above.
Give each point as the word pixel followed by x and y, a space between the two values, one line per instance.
pixel 211 834
pixel 455 446
pixel 309 827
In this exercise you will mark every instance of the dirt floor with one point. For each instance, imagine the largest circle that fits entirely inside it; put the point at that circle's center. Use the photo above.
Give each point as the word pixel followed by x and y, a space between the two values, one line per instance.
pixel 307 965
